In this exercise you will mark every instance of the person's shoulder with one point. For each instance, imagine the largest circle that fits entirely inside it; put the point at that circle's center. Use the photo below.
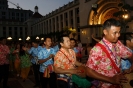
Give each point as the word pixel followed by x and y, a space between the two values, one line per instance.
pixel 71 50
pixel 59 54
pixel 39 46
pixel 43 50
pixel 52 48
pixel 97 47
pixel 32 48
pixel 119 42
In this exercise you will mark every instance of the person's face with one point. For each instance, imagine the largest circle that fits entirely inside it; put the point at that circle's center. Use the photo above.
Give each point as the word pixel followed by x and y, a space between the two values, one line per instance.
pixel 130 43
pixel 18 46
pixel 48 42
pixel 112 34
pixel 3 41
pixel 66 43
pixel 34 44
pixel 72 43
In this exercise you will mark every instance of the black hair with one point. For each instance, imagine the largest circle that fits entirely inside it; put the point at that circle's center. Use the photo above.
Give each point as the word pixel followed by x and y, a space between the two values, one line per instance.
pixel 47 37
pixel 128 37
pixel 35 41
pixel 21 52
pixel 61 40
pixel 73 39
pixel 111 22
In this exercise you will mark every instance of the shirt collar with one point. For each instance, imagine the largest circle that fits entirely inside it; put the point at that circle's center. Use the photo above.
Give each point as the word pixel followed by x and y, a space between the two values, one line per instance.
pixel 109 44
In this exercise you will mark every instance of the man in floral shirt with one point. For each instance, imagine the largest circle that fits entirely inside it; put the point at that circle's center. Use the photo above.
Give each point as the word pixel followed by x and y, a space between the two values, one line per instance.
pixel 64 63
pixel 45 57
pixel 4 61
pixel 100 66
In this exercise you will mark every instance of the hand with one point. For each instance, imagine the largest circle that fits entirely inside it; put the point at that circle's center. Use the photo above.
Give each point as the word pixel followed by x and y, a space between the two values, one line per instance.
pixel 51 56
pixel 127 71
pixel 24 48
pixel 16 51
pixel 118 79
pixel 75 71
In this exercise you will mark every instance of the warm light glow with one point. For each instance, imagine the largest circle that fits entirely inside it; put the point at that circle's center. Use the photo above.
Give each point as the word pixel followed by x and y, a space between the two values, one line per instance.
pixel 37 37
pixel 83 32
pixel 19 39
pixel 28 38
pixel 125 16
pixel 9 38
pixel 72 29
pixel 42 38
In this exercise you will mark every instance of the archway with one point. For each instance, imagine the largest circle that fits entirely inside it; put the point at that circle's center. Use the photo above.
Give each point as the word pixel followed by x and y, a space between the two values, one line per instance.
pixel 105 10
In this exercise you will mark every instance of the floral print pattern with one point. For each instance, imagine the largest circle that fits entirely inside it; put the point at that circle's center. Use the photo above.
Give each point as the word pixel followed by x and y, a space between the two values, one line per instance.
pixel 4 51
pixel 64 59
pixel 99 61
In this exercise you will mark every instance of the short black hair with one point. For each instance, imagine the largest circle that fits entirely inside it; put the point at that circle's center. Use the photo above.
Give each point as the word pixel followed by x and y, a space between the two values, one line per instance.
pixel 47 37
pixel 35 41
pixel 128 37
pixel 61 39
pixel 111 22
pixel 22 52
pixel 73 39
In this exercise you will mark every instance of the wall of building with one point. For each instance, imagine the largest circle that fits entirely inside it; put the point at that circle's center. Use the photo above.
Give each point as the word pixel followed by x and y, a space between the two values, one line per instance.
pixel 13 29
pixel 66 16
pixel 11 21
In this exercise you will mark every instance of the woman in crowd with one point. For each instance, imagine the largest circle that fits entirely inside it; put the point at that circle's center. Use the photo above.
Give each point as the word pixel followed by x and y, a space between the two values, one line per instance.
pixel 17 59
pixel 25 63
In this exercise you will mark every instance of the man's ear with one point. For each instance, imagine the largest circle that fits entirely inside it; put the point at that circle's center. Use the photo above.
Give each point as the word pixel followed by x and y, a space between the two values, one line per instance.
pixel 105 32
pixel 44 43
pixel 61 44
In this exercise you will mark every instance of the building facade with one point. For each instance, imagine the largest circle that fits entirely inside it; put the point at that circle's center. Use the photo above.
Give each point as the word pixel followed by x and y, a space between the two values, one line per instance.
pixel 84 16
pixel 12 21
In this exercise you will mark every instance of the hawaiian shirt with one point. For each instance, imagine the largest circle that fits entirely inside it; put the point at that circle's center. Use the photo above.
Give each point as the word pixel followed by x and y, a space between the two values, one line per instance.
pixel 76 50
pixel 4 51
pixel 56 48
pixel 25 61
pixel 64 59
pixel 125 63
pixel 34 52
pixel 43 54
pixel 99 61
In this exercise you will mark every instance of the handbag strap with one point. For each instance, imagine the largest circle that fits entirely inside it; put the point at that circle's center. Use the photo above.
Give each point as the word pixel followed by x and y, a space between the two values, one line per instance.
pixel 67 58
pixel 108 55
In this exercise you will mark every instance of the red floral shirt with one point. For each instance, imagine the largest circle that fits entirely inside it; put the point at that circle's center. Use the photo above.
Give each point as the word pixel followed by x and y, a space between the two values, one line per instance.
pixel 99 61
pixel 4 51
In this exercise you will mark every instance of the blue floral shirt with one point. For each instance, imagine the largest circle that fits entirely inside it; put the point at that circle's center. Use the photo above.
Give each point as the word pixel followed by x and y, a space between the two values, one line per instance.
pixel 34 52
pixel 56 48
pixel 75 50
pixel 125 63
pixel 43 54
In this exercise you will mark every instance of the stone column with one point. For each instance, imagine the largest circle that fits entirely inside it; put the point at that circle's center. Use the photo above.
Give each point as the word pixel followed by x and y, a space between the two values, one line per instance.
pixel 74 19
pixel 68 18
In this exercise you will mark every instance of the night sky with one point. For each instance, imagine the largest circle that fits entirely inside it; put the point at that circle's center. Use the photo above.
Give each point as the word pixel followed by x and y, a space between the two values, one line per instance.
pixel 45 6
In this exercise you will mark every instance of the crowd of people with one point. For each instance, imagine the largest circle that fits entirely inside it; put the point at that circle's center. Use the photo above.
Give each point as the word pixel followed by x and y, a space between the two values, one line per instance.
pixel 56 65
